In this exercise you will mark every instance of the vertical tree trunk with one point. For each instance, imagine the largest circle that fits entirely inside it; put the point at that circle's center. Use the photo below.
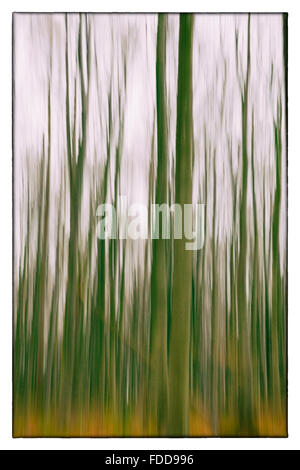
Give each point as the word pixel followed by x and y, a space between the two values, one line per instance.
pixel 277 311
pixel 246 418
pixel 76 165
pixel 158 340
pixel 43 281
pixel 182 276
pixel 215 316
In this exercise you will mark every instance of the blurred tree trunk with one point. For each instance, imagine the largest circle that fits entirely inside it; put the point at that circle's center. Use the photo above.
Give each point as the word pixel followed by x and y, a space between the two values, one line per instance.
pixel 73 313
pixel 215 316
pixel 158 339
pixel 182 277
pixel 245 394
pixel 277 311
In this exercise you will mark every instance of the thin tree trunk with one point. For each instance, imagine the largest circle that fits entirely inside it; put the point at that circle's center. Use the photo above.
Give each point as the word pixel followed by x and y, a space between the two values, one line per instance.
pixel 246 418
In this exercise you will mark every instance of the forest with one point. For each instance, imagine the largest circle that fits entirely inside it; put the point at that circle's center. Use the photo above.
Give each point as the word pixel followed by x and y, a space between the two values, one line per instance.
pixel 122 337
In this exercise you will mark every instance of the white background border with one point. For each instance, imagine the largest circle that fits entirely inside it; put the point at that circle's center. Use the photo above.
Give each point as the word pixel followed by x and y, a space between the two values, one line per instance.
pixel 6 441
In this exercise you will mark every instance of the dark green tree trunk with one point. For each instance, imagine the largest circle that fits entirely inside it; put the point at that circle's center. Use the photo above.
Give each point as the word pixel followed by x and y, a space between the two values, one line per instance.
pixel 182 276
pixel 158 334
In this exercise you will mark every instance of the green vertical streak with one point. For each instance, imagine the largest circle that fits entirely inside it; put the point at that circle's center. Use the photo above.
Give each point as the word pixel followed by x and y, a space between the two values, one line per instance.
pixel 284 277
pixel 19 333
pixel 114 255
pixel 277 310
pixel 120 340
pixel 246 418
pixel 21 340
pixel 158 334
pixel 178 422
pixel 255 287
pixel 73 312
pixel 44 267
pixel 233 304
pixel 267 334
pixel 97 349
pixel 34 333
pixel 198 355
pixel 205 386
pixel 215 333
